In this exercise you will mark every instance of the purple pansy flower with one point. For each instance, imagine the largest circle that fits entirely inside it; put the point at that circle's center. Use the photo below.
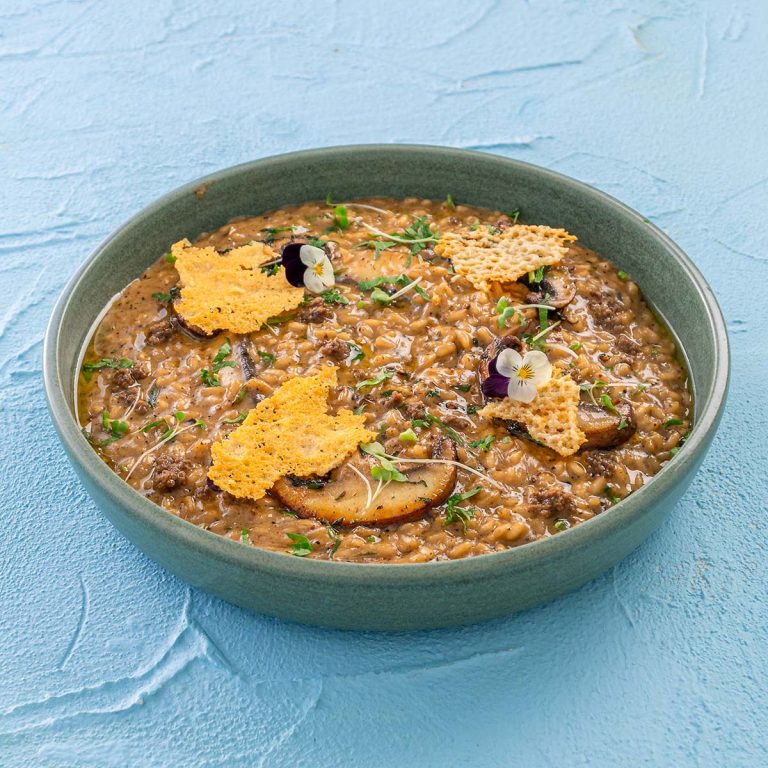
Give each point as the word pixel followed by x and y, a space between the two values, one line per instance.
pixel 517 376
pixel 307 266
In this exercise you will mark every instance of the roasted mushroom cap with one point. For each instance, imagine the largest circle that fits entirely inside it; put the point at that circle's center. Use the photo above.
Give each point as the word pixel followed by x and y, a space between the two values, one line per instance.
pixel 556 289
pixel 606 429
pixel 342 499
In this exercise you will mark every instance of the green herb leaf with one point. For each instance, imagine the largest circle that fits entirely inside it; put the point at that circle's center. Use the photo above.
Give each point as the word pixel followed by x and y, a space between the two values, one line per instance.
pixel 235 420
pixel 271 233
pixel 611 494
pixel 105 362
pixel 267 358
pixel 561 524
pixel 166 298
pixel 622 274
pixel 301 546
pixel 449 202
pixel 484 445
pixel 514 214
pixel 672 422
pixel 335 539
pixel 383 375
pixel 407 436
pixel 355 353
pixel 244 538
pixel 209 378
pixel 271 269
pixel 456 514
pixel 340 219
pixel 170 258
pixel 452 433
pixel 334 296
pixel 575 346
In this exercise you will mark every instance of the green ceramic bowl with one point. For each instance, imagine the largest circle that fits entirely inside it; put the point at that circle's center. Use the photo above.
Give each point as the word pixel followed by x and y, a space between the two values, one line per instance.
pixel 393 597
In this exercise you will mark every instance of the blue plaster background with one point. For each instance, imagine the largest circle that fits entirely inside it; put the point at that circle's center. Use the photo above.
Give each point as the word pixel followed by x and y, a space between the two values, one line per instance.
pixel 105 660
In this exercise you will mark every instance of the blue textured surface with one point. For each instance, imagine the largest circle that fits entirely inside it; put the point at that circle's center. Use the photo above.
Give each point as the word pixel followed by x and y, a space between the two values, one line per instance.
pixel 105 660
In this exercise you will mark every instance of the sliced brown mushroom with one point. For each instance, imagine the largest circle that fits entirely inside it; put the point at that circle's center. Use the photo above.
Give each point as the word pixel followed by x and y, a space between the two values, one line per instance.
pixel 557 289
pixel 604 428
pixel 342 498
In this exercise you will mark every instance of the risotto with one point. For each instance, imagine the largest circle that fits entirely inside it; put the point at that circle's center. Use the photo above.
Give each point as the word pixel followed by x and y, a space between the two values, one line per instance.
pixel 483 412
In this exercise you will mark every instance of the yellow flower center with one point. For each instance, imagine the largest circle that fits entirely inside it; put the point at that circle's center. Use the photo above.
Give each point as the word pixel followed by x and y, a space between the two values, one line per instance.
pixel 318 269
pixel 524 373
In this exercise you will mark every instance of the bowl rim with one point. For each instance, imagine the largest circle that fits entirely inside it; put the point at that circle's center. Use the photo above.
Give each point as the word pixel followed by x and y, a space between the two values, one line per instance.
pixel 165 524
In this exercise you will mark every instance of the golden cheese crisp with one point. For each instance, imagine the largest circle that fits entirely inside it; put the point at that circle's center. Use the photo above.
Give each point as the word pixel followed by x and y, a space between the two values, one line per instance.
pixel 486 256
pixel 289 433
pixel 228 291
pixel 552 418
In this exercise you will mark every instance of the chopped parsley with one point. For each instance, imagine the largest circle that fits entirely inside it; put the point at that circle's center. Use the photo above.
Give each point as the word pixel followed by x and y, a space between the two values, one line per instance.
pixel 561 524
pixel 456 514
pixel 267 358
pixel 301 546
pixel 170 258
pixel 449 202
pixel 105 362
pixel 611 494
pixel 334 296
pixel 271 233
pixel 429 419
pixel 355 353
pixel 537 275
pixel 514 214
pixel 385 374
pixel 673 422
pixel 166 298
pixel 484 445
pixel 209 377
pixel 244 538
pixel 236 420
pixel 407 436
pixel 271 269
pixel 622 274
pixel 575 346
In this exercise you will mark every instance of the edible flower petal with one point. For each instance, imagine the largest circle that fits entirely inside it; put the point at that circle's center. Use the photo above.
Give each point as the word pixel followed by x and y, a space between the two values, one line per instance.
pixel 517 376
pixel 307 266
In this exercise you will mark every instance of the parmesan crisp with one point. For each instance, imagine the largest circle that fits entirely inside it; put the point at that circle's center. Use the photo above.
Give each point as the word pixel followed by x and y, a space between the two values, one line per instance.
pixel 288 433
pixel 485 257
pixel 229 291
pixel 552 418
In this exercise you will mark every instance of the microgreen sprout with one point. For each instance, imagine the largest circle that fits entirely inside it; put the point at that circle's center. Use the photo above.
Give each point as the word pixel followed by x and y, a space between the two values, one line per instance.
pixel 456 514
pixel 170 433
